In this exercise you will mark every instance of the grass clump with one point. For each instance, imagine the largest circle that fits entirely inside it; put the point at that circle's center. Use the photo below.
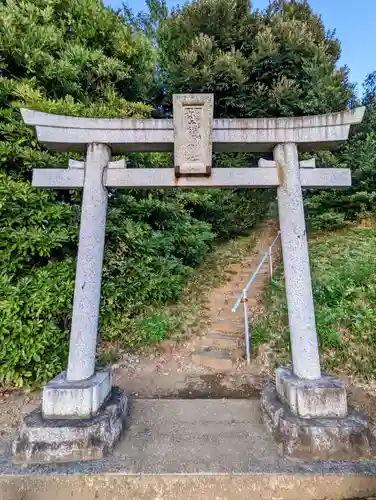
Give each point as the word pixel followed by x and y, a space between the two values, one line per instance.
pixel 344 288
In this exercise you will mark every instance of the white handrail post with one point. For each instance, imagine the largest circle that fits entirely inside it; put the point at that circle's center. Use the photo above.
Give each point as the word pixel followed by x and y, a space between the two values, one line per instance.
pixel 246 327
pixel 244 297
pixel 270 263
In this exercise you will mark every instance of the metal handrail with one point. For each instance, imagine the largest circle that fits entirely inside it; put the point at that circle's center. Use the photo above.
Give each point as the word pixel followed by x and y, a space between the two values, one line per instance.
pixel 243 298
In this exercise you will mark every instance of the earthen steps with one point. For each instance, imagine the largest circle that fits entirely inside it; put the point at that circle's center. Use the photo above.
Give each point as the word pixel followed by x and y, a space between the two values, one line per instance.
pixel 220 341
pixel 223 345
pixel 218 359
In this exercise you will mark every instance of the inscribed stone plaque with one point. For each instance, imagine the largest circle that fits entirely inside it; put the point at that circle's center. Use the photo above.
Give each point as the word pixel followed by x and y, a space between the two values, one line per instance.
pixel 193 133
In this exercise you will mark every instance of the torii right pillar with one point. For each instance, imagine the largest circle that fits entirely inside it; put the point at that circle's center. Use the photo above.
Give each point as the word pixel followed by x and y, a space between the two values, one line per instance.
pixel 304 345
pixel 306 409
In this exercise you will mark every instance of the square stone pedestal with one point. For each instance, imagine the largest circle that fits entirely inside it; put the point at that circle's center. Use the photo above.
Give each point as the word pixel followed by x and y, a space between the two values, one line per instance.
pixel 310 419
pixel 325 397
pixel 77 421
pixel 64 399
pixel 63 440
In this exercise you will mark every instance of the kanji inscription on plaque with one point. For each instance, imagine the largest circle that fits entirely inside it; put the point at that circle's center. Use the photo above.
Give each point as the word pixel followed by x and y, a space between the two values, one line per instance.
pixel 193 119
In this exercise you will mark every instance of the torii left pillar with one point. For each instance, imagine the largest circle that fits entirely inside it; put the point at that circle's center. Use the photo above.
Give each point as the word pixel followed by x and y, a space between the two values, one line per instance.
pixel 80 391
pixel 87 291
pixel 82 416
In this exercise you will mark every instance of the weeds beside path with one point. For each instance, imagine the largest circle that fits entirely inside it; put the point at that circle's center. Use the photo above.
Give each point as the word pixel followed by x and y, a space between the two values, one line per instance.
pixel 344 287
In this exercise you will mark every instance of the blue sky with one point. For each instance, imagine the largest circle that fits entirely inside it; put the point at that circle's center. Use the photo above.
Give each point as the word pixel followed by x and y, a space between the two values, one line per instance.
pixel 354 22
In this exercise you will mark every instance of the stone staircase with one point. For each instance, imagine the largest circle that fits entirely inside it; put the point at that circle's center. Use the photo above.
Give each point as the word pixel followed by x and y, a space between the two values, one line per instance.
pixel 222 347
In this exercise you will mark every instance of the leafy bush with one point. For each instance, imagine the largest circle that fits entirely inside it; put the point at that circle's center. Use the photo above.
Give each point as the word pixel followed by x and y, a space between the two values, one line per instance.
pixel 36 281
pixel 85 66
pixel 154 239
pixel 34 319
pixel 85 59
pixel 155 327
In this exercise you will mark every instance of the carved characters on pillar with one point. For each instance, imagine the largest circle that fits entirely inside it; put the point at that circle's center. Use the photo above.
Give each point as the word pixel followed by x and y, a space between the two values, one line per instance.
pixel 192 121
pixel 193 131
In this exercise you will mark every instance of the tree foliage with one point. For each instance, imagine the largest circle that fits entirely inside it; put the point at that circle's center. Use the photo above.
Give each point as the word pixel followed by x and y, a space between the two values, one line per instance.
pixel 74 47
pixel 81 58
pixel 271 63
pixel 335 209
pixel 256 63
pixel 72 57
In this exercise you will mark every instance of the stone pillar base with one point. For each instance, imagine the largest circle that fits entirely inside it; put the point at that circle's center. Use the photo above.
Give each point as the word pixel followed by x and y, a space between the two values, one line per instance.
pixel 321 438
pixel 63 440
pixel 64 399
pixel 323 397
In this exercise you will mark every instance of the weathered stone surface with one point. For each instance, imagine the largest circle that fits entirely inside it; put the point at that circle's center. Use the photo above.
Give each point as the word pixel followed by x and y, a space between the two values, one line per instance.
pixel 193 133
pixel 68 133
pixel 263 163
pixel 315 178
pixel 260 486
pixel 165 177
pixel 301 313
pixel 70 178
pixel 44 440
pixel 345 438
pixel 325 397
pixel 190 450
pixel 324 177
pixel 75 399
pixel 87 285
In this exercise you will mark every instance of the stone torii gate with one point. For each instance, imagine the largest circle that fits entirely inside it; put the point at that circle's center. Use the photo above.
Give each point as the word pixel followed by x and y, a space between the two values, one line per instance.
pixel 82 416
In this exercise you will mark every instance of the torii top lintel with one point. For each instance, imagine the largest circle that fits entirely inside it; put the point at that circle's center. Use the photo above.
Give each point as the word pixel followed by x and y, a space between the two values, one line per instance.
pixel 68 133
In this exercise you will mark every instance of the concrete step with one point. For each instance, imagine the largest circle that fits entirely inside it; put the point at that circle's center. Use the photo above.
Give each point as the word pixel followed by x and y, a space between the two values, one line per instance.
pixel 190 450
pixel 217 359
pixel 220 340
